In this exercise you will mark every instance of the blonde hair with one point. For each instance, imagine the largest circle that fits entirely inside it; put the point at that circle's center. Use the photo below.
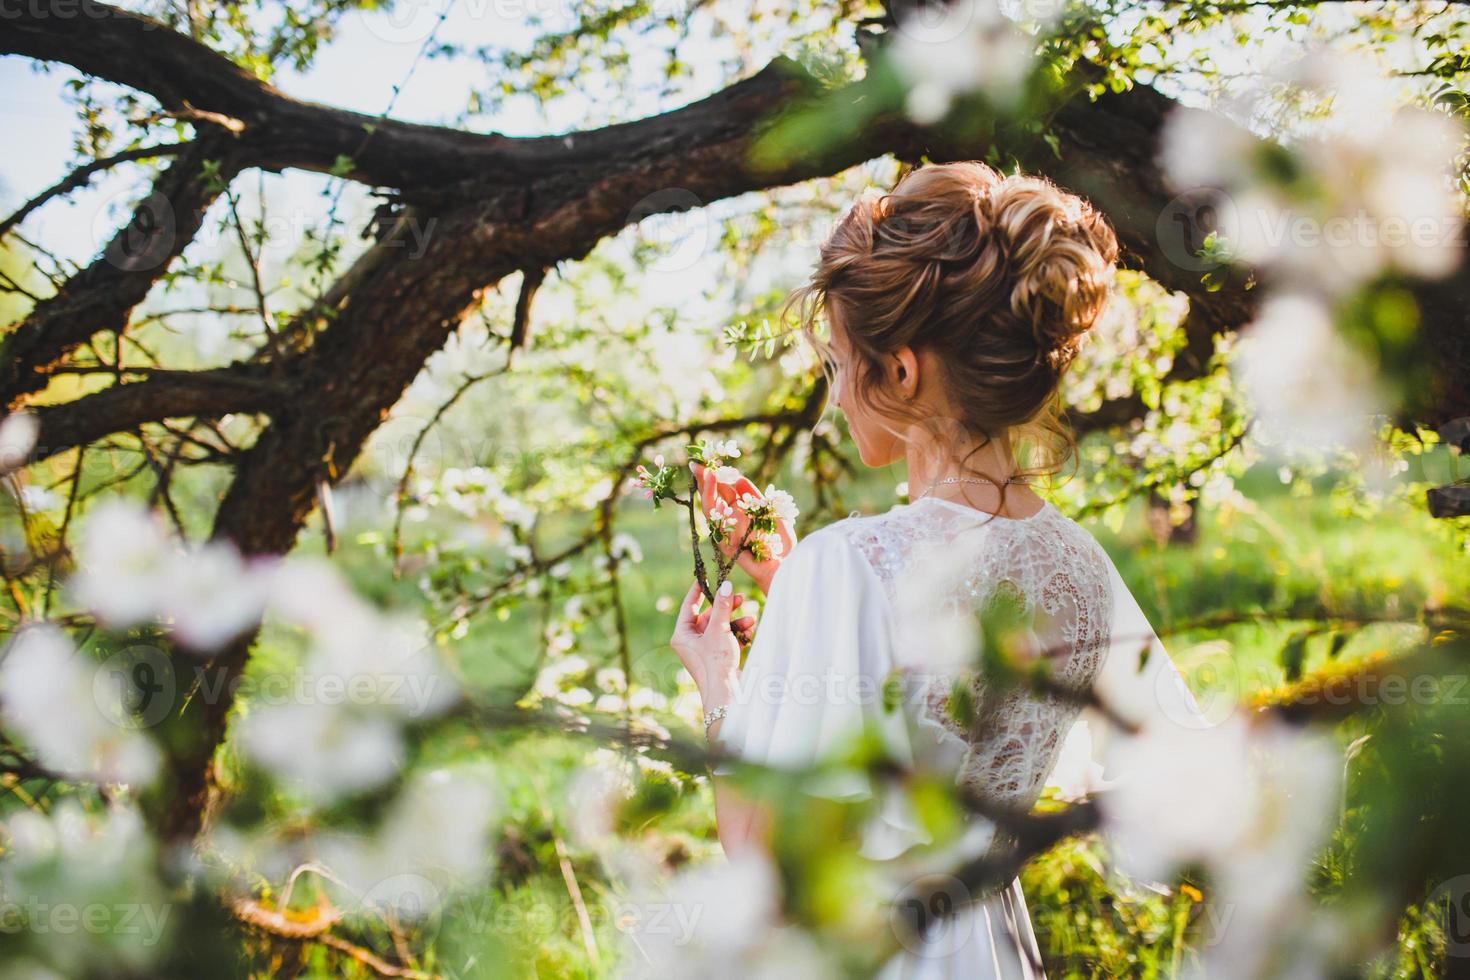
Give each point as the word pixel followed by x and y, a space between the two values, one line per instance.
pixel 1001 276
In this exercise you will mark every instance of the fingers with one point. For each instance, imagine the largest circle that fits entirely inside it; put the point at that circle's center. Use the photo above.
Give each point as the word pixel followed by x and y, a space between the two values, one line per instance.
pixel 708 489
pixel 719 618
pixel 702 619
pixel 687 610
pixel 744 486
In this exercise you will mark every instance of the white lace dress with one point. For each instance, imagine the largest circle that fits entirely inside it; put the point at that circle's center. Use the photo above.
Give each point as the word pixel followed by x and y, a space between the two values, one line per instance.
pixel 867 599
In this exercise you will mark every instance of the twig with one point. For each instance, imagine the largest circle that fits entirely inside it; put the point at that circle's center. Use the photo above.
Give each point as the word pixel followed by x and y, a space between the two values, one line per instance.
pixel 569 876
pixel 81 176
pixel 400 495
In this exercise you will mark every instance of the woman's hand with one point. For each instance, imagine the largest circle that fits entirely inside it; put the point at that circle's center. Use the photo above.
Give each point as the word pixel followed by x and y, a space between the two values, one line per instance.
pixel 708 645
pixel 711 490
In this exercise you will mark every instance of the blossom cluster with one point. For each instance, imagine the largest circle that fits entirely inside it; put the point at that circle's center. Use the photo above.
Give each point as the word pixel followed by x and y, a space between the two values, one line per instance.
pixel 762 513
pixel 1369 195
pixel 339 729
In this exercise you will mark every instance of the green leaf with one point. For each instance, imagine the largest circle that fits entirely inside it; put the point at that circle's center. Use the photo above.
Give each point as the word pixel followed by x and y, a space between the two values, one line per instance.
pixel 892 691
pixel 1294 655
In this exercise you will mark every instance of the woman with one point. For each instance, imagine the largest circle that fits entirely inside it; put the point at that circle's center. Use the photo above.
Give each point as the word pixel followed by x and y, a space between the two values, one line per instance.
pixel 954 304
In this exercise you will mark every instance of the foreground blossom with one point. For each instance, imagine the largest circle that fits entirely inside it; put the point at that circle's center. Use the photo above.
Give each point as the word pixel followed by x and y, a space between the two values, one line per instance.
pixel 1250 801
pixel 717 920
pixel 131 569
pixel 967 46
pixel 68 713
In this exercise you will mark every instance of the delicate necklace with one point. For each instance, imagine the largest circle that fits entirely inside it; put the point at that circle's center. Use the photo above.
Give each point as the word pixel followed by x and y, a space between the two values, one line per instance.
pixel 966 479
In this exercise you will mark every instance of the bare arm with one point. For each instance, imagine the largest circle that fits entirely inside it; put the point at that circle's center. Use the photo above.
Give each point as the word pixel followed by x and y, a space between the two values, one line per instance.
pixel 740 822
pixel 707 646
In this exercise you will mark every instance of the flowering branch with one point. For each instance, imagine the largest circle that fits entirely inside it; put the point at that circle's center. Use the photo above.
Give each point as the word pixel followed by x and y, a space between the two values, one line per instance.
pixel 756 517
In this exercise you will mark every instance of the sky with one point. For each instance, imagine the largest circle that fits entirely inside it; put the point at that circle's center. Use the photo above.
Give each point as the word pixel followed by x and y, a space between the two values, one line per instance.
pixel 373 52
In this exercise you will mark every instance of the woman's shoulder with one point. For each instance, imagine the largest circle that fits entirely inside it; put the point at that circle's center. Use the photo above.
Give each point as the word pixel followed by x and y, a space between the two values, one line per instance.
pixel 823 565
pixel 1046 542
pixel 882 542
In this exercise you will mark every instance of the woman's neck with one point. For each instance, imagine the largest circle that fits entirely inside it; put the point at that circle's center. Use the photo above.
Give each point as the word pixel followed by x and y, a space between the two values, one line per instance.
pixel 930 463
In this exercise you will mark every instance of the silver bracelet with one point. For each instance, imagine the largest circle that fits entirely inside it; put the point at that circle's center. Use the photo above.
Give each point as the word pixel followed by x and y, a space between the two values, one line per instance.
pixel 710 717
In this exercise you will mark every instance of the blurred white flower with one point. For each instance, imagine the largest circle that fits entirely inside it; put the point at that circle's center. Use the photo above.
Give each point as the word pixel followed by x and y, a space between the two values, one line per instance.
pixel 384 661
pixel 727 475
pixel 626 546
pixel 18 433
pixel 440 822
pixel 1310 390
pixel 213 596
pixel 612 680
pixel 130 568
pixel 322 751
pixel 125 563
pixel 1379 192
pixel 436 831
pixel 101 867
pixel 712 920
pixel 1251 800
pixel 39 498
pixel 966 46
pixel 576 697
pixel 515 511
pixel 1199 148
pixel 595 793
pixel 647 699
pixel 48 696
pixel 595 494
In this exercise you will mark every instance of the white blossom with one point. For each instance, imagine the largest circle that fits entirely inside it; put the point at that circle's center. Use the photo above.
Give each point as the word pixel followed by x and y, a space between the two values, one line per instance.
pixel 65 711
pixel 18 433
pixel 718 920
pixel 594 795
pixel 626 546
pixel 967 46
pixel 125 563
pixel 321 750
pixel 99 864
pixel 1311 390
pixel 436 830
pixel 1238 795
pixel 782 504
pixel 130 569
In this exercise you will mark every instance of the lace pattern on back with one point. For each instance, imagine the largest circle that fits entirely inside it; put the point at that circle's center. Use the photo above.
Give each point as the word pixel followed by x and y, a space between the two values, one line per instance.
pixel 1060 575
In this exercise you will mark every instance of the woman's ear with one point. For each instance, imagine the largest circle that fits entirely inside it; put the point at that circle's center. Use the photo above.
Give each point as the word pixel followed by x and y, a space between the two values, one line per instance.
pixel 904 368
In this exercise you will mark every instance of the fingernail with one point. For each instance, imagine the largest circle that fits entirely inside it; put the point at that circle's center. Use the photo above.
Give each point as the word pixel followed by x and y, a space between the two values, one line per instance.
pixel 726 587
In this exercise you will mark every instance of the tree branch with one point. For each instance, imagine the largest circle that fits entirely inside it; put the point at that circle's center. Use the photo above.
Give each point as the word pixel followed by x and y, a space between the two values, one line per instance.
pixel 103 295
pixel 163 395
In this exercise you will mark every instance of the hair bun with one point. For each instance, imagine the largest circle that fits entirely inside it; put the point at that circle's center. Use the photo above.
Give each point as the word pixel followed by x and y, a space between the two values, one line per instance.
pixel 999 276
pixel 1062 254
